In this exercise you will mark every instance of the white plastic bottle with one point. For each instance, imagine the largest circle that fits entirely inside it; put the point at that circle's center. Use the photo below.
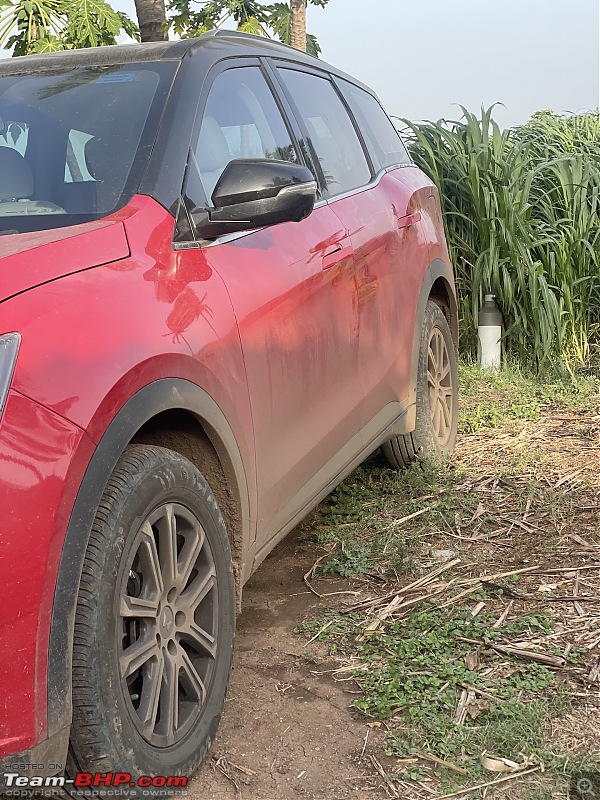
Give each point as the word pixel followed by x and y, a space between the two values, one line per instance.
pixel 489 332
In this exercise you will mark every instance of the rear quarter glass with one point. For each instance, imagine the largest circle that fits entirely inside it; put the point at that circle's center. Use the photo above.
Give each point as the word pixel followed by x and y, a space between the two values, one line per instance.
pixel 74 144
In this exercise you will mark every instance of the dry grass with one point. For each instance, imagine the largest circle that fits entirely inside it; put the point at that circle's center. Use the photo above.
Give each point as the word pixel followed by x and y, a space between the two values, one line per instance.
pixel 513 533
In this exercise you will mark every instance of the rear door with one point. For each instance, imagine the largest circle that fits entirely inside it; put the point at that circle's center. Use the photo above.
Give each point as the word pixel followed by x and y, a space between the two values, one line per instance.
pixel 392 206
pixel 296 314
pixel 374 209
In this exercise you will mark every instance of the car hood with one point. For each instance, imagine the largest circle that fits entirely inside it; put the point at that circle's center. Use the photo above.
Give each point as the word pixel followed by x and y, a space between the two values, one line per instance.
pixel 30 259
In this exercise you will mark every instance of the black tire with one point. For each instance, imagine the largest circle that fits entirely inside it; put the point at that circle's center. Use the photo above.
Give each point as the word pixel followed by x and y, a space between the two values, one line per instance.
pixel 434 435
pixel 160 717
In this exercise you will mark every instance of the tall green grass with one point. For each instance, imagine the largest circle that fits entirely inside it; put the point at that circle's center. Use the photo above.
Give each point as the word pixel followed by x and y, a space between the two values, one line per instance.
pixel 522 214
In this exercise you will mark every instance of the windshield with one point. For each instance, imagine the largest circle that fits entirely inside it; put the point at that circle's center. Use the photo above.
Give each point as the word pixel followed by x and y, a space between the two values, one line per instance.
pixel 74 144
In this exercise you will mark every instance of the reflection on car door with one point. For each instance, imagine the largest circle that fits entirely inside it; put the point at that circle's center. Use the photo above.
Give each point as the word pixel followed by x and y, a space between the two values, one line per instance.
pixel 370 213
pixel 296 314
pixel 389 244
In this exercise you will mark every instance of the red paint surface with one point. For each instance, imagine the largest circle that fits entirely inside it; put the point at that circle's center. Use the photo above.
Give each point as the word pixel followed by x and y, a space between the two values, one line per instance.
pixel 41 461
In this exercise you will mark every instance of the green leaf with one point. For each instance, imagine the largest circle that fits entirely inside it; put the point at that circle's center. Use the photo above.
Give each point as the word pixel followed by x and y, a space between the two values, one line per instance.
pixel 251 25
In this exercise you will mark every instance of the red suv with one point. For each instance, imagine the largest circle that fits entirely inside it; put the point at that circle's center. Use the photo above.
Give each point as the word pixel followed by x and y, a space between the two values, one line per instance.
pixel 223 284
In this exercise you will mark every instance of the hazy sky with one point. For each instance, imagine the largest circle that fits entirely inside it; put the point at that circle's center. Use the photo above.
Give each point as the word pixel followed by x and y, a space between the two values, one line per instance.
pixel 424 58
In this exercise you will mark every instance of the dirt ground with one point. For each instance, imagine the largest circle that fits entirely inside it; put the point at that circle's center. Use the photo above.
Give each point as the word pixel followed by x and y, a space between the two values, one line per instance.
pixel 288 730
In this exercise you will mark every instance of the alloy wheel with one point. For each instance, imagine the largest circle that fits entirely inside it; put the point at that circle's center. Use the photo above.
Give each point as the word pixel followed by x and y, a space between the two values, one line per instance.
pixel 168 625
pixel 440 388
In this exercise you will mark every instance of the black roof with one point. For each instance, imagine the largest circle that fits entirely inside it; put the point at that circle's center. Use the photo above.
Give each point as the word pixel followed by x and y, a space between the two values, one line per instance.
pixel 95 56
pixel 232 42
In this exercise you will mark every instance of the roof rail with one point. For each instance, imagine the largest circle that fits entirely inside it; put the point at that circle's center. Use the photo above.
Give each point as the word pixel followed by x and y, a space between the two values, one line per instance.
pixel 240 34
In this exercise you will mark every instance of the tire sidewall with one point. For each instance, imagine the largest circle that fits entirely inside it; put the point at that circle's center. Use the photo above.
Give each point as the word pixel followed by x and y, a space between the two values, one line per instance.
pixel 425 439
pixel 172 479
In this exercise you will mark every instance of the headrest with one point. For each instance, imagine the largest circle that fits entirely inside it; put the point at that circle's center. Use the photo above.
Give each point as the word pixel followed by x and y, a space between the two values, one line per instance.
pixel 97 157
pixel 16 180
pixel 213 150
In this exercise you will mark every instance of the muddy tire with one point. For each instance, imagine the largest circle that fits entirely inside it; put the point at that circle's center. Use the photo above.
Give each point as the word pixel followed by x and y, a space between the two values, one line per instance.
pixel 155 623
pixel 434 435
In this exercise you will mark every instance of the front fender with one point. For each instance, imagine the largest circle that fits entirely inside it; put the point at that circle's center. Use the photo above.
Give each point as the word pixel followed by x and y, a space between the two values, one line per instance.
pixel 162 395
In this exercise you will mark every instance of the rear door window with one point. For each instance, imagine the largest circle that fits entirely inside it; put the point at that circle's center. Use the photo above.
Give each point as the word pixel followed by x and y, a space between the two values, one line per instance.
pixel 383 140
pixel 331 133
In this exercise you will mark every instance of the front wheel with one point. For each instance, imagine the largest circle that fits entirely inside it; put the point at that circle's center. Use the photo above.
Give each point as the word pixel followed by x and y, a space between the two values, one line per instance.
pixel 155 622
pixel 434 435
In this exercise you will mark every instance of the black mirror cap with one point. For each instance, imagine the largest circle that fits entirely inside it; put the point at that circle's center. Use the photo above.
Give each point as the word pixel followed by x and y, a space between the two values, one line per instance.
pixel 244 180
pixel 254 194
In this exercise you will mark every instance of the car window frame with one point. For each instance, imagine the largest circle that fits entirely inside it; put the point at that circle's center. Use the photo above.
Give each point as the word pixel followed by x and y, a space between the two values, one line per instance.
pixel 286 63
pixel 185 234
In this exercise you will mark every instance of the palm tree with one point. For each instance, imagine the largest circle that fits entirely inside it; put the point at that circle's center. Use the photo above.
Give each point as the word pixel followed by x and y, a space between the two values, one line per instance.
pixel 151 20
pixel 298 24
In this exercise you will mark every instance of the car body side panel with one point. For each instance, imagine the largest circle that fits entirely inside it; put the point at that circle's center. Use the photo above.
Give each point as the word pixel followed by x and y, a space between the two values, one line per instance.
pixel 297 316
pixel 39 451
pixel 392 254
pixel 154 315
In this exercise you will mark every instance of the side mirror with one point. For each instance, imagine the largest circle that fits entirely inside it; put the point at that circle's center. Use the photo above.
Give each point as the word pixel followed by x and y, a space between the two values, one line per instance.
pixel 252 193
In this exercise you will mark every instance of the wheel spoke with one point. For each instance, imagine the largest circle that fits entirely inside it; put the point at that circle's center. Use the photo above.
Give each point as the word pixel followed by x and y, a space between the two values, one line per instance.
pixel 138 653
pixel 442 422
pixel 446 415
pixel 167 537
pixel 191 681
pixel 431 362
pixel 148 708
pixel 197 591
pixel 439 346
pixel 445 372
pixel 434 352
pixel 149 561
pixel 200 639
pixel 169 697
pixel 138 607
pixel 194 542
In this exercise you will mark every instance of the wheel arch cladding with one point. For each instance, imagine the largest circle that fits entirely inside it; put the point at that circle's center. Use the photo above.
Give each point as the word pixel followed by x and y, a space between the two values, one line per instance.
pixel 170 413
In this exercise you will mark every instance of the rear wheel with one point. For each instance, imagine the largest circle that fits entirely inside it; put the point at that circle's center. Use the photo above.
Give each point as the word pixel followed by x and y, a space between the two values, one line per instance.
pixel 434 435
pixel 154 624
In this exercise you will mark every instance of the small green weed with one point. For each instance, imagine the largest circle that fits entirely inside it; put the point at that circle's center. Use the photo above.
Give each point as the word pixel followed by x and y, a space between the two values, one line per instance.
pixel 358 523
pixel 414 673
